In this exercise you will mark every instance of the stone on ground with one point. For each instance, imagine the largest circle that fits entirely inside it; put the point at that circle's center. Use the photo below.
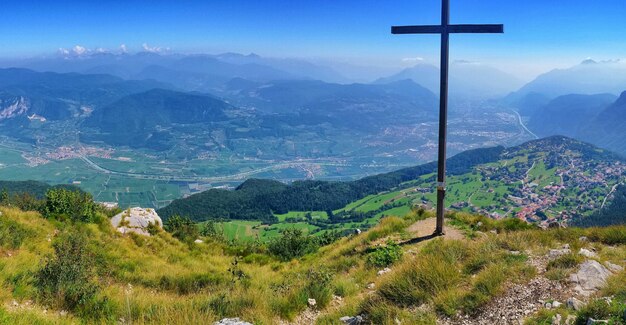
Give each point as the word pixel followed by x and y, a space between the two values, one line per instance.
pixel 136 220
pixel 231 321
pixel 590 277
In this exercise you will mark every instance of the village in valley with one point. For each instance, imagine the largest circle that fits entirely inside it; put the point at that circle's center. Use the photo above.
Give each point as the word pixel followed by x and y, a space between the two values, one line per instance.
pixel 547 185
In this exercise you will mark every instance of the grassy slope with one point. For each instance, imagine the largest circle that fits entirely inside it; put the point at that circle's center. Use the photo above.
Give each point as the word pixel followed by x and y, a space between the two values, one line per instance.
pixel 179 284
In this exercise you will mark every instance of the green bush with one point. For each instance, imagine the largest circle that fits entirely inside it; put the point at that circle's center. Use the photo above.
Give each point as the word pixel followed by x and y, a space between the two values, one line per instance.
pixel 66 281
pixel 73 205
pixel 291 244
pixel 211 230
pixel 182 228
pixel 385 255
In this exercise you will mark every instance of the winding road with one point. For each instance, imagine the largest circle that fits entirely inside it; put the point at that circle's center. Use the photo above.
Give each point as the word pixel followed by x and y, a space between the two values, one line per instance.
pixel 521 123
pixel 225 178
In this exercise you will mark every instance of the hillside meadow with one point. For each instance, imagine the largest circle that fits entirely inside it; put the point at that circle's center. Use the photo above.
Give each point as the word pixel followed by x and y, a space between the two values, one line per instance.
pixel 55 271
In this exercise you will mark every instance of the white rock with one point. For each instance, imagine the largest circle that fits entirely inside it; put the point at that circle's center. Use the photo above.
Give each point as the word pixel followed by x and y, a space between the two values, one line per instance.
pixel 231 321
pixel 348 320
pixel 371 286
pixel 383 271
pixel 556 304
pixel 587 253
pixel 590 277
pixel 198 241
pixel 136 220
pixel 614 267
pixel 312 302
pixel 583 239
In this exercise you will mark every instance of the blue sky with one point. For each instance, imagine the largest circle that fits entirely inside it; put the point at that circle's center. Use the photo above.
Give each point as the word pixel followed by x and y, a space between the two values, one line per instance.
pixel 539 34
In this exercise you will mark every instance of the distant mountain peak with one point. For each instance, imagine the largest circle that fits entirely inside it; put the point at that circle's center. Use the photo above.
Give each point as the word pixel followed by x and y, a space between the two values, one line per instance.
pixel 588 62
pixel 621 101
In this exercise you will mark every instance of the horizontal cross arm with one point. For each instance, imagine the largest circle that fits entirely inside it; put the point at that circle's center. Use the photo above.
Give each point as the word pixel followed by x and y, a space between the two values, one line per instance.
pixel 487 29
pixel 439 29
pixel 427 29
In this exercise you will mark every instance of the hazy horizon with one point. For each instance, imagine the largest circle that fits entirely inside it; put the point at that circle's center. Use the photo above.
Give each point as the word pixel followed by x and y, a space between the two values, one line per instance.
pixel 538 36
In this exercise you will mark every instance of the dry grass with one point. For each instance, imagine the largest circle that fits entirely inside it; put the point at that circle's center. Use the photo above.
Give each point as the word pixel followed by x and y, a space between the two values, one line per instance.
pixel 160 280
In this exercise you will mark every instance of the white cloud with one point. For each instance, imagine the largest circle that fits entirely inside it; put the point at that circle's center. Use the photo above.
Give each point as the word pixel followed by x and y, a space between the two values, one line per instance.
pixel 63 51
pixel 79 50
pixel 466 62
pixel 412 60
pixel 123 48
pixel 153 49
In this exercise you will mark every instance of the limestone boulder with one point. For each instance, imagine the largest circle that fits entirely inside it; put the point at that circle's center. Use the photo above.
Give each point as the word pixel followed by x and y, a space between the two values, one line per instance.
pixel 136 220
pixel 590 277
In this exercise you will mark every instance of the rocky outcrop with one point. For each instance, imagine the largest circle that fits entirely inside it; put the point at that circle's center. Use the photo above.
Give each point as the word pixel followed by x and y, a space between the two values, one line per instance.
pixel 590 277
pixel 136 220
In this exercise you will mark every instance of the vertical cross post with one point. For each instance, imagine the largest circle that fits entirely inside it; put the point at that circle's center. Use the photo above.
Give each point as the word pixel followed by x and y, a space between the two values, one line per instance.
pixel 443 117
pixel 445 29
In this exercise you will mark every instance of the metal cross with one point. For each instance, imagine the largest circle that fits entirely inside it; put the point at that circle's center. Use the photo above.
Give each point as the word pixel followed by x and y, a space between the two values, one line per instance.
pixel 445 29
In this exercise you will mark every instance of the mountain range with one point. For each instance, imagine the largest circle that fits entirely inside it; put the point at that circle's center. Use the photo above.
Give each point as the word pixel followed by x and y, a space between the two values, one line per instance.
pixel 467 80
pixel 599 119
pixel 587 78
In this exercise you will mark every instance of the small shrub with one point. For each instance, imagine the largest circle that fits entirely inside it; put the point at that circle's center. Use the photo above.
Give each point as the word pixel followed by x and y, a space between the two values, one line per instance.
pixel 66 280
pixel 385 255
pixel 182 228
pixel 211 230
pixel 292 243
pixel 73 205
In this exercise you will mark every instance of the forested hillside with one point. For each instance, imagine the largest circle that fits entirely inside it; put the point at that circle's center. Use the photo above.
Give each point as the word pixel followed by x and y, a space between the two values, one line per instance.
pixel 613 214
pixel 258 199
pixel 32 188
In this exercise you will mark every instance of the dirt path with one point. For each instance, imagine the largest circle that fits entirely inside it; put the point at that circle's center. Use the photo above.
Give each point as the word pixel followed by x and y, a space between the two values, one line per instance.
pixel 426 227
pixel 519 301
